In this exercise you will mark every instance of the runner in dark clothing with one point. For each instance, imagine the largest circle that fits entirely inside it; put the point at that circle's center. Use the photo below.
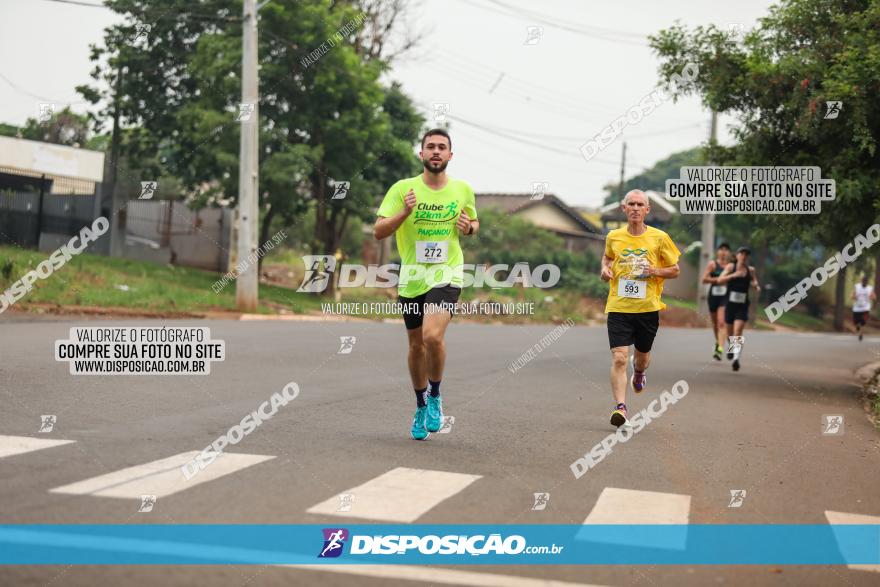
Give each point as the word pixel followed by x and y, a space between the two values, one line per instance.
pixel 738 277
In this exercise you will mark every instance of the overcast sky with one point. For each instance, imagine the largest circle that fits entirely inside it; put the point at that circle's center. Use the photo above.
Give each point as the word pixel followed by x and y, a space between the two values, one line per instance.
pixel 553 94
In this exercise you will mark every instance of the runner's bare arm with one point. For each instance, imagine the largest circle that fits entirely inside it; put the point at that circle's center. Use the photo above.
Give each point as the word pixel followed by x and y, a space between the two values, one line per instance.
pixel 710 266
pixel 385 226
pixel 466 225
pixel 670 272
pixel 729 273
pixel 755 279
pixel 606 273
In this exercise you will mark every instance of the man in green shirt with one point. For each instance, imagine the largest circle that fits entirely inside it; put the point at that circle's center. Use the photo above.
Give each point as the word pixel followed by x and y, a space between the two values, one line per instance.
pixel 426 213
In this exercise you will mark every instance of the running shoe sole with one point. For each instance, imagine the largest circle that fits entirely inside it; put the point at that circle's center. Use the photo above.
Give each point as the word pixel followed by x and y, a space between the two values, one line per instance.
pixel 618 419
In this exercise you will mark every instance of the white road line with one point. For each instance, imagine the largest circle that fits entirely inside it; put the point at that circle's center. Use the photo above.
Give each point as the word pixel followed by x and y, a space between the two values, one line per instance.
pixel 400 495
pixel 845 518
pixel 628 506
pixel 434 576
pixel 16 445
pixel 159 478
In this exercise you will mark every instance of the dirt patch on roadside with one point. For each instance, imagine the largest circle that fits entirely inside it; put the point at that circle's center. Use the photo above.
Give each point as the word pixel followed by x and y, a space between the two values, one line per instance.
pixel 682 318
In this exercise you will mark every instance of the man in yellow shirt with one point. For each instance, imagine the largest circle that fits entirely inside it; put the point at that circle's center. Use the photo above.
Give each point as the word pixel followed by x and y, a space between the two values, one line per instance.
pixel 637 259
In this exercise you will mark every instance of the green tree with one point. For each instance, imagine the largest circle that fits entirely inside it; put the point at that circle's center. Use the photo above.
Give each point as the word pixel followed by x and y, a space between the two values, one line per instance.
pixel 64 127
pixel 777 82
pixel 322 121
pixel 655 177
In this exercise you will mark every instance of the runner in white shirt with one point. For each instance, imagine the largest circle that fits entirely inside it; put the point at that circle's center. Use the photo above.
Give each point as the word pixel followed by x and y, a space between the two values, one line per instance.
pixel 863 295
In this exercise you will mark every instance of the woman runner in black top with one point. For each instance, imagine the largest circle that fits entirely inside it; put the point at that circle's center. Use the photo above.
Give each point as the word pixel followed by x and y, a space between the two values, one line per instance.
pixel 738 277
pixel 717 296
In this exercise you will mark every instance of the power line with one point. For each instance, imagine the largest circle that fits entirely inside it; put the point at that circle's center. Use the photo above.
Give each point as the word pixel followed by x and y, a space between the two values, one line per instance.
pixel 28 93
pixel 77 3
pixel 582 27
pixel 594 33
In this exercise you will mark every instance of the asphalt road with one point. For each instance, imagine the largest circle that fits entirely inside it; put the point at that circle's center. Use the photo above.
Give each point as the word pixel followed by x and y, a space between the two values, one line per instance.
pixel 516 434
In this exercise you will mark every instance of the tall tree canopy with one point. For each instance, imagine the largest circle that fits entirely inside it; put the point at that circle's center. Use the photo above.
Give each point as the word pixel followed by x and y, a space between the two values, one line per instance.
pixel 174 73
pixel 777 82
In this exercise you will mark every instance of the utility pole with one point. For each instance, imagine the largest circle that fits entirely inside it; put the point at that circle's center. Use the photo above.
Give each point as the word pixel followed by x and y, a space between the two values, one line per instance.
pixel 246 293
pixel 707 235
pixel 117 220
pixel 622 167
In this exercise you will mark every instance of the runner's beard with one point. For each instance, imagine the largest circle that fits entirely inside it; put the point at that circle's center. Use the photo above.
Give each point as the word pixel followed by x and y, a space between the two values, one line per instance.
pixel 430 166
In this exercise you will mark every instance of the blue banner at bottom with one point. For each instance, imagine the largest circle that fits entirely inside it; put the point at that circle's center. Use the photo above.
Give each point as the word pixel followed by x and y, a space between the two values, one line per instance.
pixel 167 544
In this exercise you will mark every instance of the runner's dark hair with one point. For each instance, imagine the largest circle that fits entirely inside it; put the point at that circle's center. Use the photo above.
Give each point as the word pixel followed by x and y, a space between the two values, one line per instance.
pixel 437 131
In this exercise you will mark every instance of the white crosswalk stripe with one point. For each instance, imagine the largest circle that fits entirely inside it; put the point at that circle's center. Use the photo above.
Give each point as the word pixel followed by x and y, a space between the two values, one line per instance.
pixel 845 518
pixel 436 576
pixel 16 445
pixel 160 478
pixel 400 495
pixel 629 506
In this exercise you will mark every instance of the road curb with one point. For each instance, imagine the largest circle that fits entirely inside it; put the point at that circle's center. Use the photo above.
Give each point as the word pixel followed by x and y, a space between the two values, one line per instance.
pixel 869 377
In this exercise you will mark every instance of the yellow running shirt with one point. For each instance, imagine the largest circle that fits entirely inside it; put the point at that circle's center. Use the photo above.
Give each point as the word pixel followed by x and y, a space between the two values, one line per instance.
pixel 427 240
pixel 629 292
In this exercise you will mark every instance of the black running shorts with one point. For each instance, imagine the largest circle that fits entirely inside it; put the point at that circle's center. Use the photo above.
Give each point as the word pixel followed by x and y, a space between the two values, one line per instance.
pixel 414 308
pixel 860 318
pixel 716 302
pixel 639 329
pixel 734 311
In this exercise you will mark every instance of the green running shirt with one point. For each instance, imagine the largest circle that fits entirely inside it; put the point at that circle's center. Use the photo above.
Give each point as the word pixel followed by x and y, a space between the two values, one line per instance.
pixel 427 241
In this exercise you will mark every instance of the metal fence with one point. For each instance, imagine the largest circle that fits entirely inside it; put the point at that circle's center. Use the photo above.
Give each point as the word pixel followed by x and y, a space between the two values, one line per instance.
pixel 24 216
pixel 165 229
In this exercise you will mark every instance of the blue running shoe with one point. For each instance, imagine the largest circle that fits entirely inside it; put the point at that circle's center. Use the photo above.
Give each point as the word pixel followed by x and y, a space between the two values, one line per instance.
pixel 434 419
pixel 418 431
